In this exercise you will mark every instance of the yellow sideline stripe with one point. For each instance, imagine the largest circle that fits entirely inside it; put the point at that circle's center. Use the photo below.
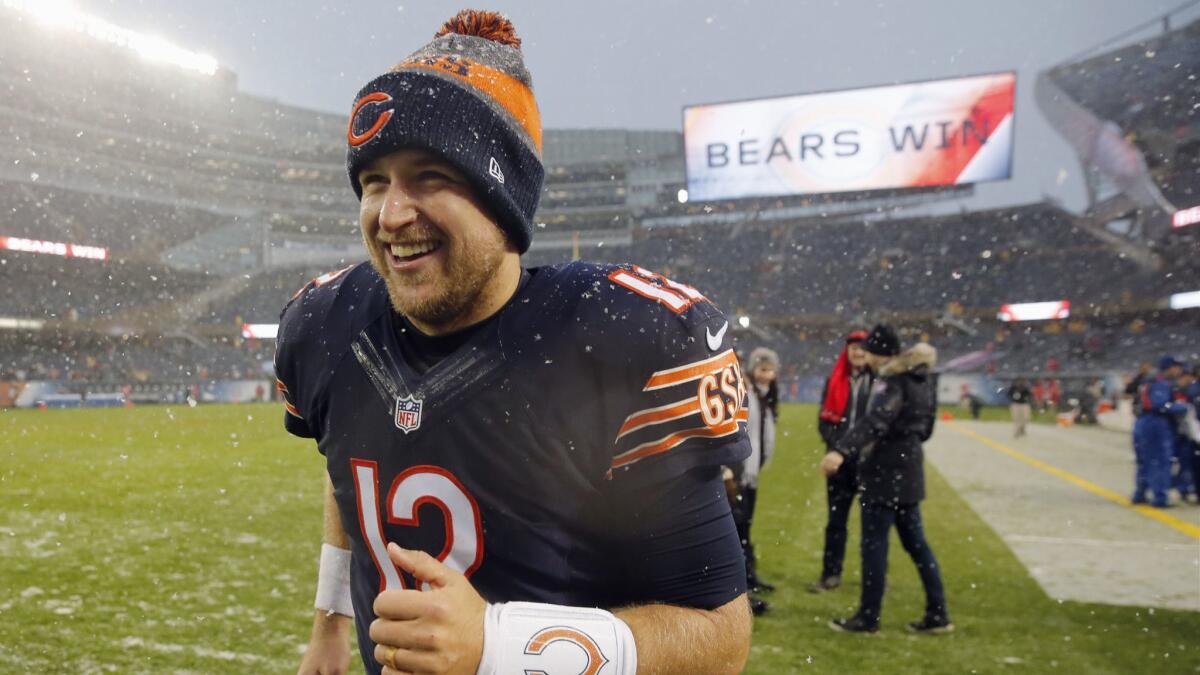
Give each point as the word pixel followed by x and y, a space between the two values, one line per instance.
pixel 1148 511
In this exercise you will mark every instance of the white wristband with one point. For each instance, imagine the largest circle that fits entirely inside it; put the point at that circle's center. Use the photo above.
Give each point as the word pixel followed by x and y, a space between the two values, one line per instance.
pixel 531 637
pixel 333 581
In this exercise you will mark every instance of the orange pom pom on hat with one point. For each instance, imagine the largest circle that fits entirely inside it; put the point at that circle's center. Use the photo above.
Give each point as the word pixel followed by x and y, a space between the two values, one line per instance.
pixel 467 97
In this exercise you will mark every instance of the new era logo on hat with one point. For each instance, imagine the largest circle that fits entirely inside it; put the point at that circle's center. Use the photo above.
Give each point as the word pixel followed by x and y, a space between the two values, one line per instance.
pixel 495 172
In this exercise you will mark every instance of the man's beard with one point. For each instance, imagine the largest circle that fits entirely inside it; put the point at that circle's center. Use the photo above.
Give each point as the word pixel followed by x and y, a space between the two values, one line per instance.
pixel 467 275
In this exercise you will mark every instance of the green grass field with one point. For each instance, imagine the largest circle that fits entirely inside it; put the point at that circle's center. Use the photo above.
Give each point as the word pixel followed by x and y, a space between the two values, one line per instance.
pixel 175 539
pixel 995 413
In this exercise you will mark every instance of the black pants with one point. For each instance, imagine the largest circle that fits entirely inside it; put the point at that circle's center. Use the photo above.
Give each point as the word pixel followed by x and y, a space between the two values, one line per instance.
pixel 877 521
pixel 839 493
pixel 743 516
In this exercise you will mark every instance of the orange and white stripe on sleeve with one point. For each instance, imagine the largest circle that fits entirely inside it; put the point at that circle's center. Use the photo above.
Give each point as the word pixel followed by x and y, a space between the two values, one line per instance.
pixel 703 399
pixel 285 396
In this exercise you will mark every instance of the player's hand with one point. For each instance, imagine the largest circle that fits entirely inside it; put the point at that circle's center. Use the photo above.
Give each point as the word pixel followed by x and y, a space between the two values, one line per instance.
pixel 435 631
pixel 731 486
pixel 831 462
pixel 328 650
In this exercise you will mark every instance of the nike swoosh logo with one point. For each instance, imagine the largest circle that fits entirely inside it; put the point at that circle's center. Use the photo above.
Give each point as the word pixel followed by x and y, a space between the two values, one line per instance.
pixel 714 341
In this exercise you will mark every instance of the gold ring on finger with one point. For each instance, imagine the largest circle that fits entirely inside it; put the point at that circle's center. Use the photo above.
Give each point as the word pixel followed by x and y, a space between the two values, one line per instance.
pixel 390 658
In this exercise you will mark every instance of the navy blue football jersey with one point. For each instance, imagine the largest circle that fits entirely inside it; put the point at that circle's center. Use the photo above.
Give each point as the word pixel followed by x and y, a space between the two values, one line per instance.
pixel 550 458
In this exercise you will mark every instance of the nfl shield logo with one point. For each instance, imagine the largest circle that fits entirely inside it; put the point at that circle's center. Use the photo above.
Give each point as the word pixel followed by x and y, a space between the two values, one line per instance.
pixel 408 413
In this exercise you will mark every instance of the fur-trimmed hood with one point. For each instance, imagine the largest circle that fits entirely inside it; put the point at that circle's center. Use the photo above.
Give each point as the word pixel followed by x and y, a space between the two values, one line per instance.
pixel 920 354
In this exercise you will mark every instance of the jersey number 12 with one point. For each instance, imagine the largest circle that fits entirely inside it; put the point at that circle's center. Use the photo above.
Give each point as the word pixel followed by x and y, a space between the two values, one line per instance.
pixel 412 489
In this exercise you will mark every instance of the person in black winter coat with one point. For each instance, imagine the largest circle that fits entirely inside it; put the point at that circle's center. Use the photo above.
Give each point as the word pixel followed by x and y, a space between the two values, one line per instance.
pixel 843 402
pixel 887 443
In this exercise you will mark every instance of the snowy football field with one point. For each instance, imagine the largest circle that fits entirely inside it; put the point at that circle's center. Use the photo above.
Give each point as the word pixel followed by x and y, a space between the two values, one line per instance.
pixel 184 540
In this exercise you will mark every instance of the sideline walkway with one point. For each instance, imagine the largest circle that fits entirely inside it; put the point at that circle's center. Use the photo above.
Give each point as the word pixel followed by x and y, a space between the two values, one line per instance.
pixel 1059 499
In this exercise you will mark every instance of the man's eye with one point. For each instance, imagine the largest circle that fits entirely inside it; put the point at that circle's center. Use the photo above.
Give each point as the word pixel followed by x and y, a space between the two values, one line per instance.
pixel 430 174
pixel 372 178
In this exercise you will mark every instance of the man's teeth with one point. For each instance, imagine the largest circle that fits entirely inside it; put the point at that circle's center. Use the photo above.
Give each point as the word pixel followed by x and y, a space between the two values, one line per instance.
pixel 409 250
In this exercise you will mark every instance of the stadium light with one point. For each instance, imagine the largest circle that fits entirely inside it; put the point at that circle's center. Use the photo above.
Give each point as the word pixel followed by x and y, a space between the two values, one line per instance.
pixel 261 331
pixel 682 196
pixel 744 321
pixel 53 13
pixel 1035 311
pixel 1184 300
pixel 14 323
pixel 1185 217
pixel 62 15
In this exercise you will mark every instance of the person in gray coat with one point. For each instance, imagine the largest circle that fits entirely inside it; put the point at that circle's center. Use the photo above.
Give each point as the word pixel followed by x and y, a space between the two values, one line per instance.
pixel 763 410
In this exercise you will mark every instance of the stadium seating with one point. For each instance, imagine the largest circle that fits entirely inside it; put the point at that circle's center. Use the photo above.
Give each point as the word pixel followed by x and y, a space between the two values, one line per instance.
pixel 91 361
pixel 67 289
pixel 979 260
pixel 165 187
pixel 1148 89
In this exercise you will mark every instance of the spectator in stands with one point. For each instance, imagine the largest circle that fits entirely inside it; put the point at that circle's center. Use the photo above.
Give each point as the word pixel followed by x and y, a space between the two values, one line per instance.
pixel 887 443
pixel 1039 396
pixel 763 410
pixel 1154 435
pixel 1053 394
pixel 1019 397
pixel 843 402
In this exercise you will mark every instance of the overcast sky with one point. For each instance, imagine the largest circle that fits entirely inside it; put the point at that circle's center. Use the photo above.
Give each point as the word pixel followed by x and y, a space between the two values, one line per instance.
pixel 636 63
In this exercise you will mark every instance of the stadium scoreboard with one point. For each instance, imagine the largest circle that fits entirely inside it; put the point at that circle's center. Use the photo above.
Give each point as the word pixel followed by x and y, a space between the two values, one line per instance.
pixel 936 133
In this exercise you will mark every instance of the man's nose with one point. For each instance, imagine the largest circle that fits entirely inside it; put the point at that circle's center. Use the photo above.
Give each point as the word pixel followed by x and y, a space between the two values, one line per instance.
pixel 399 209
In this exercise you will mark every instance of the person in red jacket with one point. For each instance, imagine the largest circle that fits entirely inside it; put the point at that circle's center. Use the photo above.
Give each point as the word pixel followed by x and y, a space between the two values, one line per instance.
pixel 844 402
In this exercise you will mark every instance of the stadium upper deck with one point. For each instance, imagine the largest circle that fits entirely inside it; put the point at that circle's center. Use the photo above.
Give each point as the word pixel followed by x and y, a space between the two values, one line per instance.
pixel 226 201
pixel 1149 90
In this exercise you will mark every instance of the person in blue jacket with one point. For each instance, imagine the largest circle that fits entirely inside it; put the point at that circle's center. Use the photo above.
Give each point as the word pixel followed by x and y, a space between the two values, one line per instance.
pixel 1154 434
pixel 1187 450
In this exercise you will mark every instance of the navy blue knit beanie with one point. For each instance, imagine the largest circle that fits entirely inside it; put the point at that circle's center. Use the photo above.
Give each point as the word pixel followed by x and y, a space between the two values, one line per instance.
pixel 467 97
pixel 882 341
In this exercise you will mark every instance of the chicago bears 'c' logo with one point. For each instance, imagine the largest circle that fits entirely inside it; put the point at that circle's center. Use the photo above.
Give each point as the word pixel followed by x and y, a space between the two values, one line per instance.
pixel 408 413
pixel 548 636
pixel 381 121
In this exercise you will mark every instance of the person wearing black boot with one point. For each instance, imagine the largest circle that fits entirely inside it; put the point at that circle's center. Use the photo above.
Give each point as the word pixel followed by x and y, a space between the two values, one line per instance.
pixel 742 479
pixel 887 444
pixel 843 403
pixel 762 411
pixel 737 505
